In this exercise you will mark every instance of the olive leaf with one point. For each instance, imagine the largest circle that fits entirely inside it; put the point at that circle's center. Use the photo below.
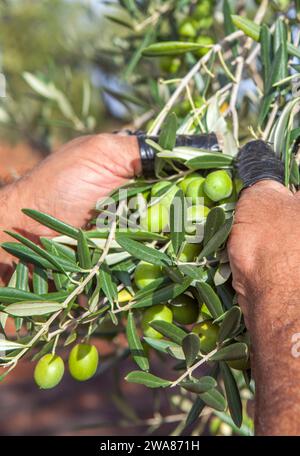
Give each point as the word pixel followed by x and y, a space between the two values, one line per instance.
pixel 177 220
pixel 161 345
pixel 230 324
pixel 199 386
pixel 210 298
pixel 232 395
pixel 214 221
pixel 52 222
pixel 191 348
pixel 169 330
pixel 210 160
pixel 162 294
pixel 142 252
pixel 83 251
pixel 108 285
pixel 217 239
pixel 147 379
pixel 167 137
pixel 214 399
pixel 135 344
pixel 39 281
pixel 232 352
pixel 27 308
pixel 170 48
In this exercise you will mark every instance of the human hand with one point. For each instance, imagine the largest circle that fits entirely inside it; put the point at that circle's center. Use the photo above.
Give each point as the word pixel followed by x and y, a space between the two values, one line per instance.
pixel 68 184
pixel 264 254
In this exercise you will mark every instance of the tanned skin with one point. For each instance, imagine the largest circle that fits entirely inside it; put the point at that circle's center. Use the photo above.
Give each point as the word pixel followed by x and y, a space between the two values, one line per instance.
pixel 264 252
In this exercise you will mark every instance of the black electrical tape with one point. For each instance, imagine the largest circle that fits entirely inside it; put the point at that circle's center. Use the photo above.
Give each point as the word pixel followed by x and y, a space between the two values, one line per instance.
pixel 257 161
pixel 204 141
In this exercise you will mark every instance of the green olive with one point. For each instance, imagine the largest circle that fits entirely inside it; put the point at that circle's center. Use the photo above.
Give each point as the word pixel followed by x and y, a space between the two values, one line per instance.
pixel 157 312
pixel 169 64
pixel 205 41
pixel 155 218
pixel 186 181
pixel 187 29
pixel 167 198
pixel 49 371
pixel 195 191
pixel 208 333
pixel 194 215
pixel 83 361
pixel 203 9
pixel 218 185
pixel 146 273
pixel 185 310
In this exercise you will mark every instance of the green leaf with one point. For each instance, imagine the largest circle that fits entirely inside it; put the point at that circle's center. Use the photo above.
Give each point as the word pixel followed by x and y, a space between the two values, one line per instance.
pixel 169 330
pixel 231 352
pixel 217 239
pixel 177 220
pixel 214 399
pixel 10 295
pixel 27 308
pixel 38 250
pixel 40 281
pixel 191 348
pixel 176 352
pixel 210 298
pixel 6 345
pixel 170 48
pixel 160 345
pixel 228 24
pixel 210 160
pixel 253 30
pixel 94 299
pixel 52 222
pixel 142 252
pixel 27 255
pixel 22 276
pixel 163 294
pixel 266 52
pixel 149 380
pixel 214 221
pixel 63 251
pixel 195 411
pixel 167 137
pixel 202 385
pixel 280 39
pixel 194 272
pixel 83 251
pixel 108 285
pixel 232 395
pixel 135 344
pixel 230 324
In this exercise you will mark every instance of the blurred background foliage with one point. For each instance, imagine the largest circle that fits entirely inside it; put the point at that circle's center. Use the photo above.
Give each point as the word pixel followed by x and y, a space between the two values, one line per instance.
pixel 90 51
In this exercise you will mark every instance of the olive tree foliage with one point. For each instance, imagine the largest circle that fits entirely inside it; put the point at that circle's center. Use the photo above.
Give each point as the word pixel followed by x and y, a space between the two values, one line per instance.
pixel 184 67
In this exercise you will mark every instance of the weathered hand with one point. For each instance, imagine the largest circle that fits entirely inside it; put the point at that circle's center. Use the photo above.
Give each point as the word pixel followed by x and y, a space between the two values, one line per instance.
pixel 68 184
pixel 264 254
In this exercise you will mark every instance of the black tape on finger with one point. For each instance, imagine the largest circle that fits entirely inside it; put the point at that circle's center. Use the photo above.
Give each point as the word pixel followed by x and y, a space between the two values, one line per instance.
pixel 257 161
pixel 205 141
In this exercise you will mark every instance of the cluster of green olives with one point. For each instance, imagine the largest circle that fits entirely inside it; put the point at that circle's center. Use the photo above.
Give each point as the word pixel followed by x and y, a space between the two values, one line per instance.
pixel 194 28
pixel 83 362
pixel 216 187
